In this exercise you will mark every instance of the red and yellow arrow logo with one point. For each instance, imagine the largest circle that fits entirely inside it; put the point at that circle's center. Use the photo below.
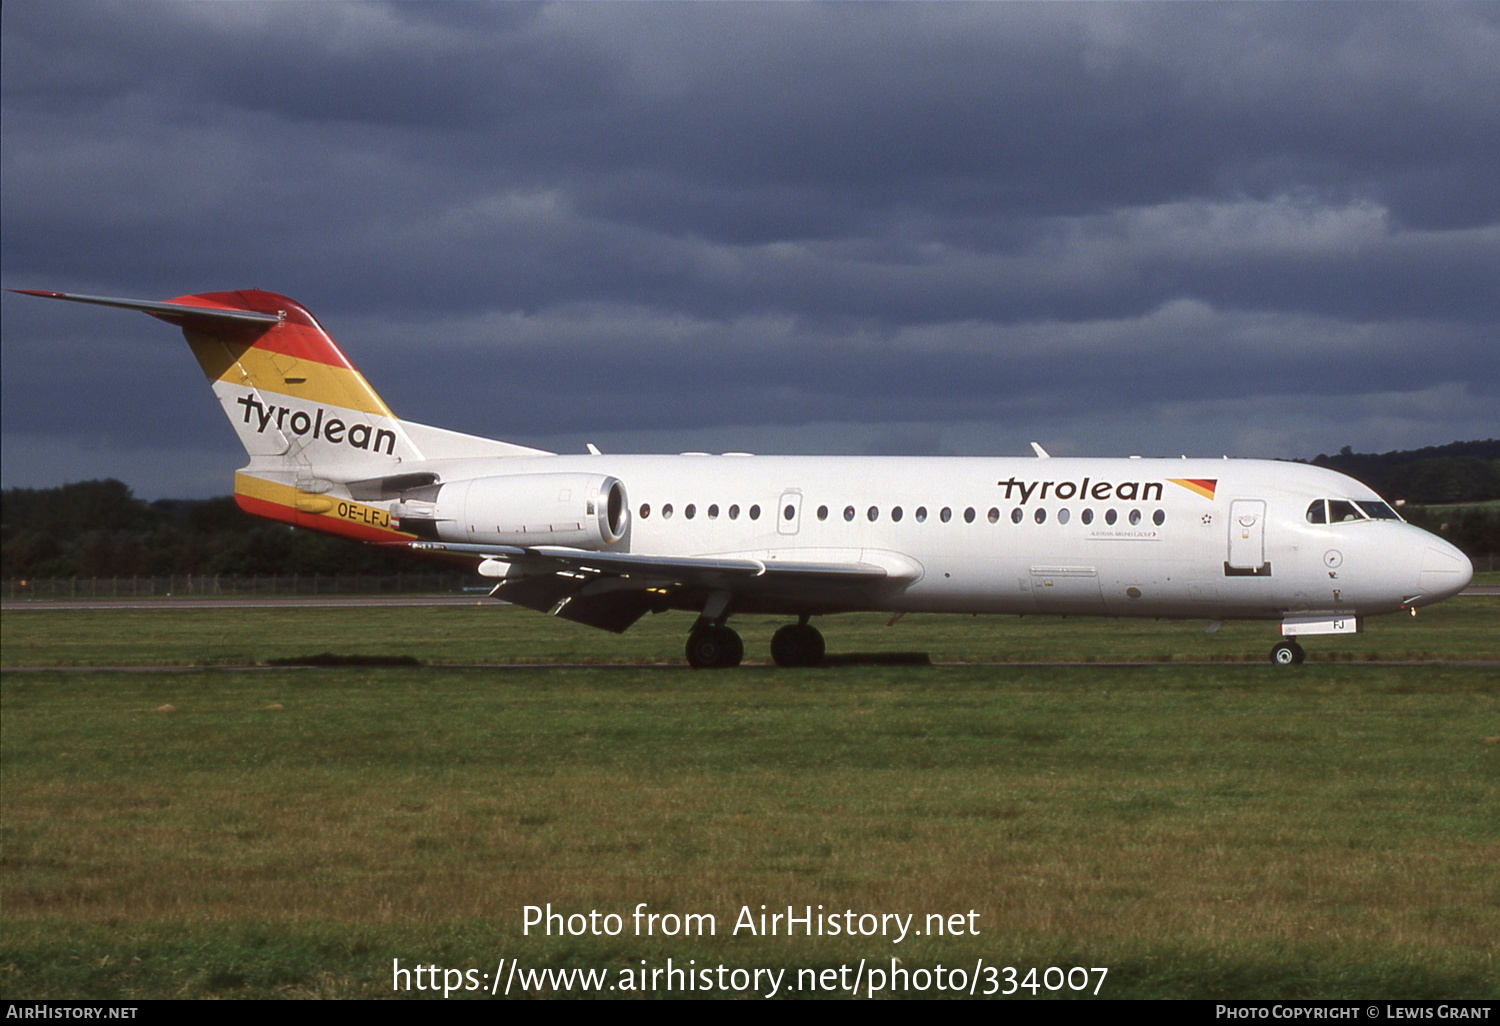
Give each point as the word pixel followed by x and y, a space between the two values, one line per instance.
pixel 1203 486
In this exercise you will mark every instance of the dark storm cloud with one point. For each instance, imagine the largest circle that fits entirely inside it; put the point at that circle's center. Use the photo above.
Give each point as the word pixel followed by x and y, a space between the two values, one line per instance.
pixel 733 219
pixel 980 370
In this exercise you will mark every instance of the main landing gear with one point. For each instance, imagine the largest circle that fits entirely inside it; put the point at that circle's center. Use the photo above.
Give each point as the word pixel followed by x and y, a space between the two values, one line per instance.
pixel 712 646
pixel 797 644
pixel 1287 653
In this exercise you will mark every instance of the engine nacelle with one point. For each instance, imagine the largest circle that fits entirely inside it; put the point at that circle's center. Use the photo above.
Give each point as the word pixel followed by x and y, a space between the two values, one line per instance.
pixel 584 511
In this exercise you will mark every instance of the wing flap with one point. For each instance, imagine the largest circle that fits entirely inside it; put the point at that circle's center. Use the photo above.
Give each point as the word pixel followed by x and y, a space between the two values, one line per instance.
pixel 612 590
pixel 704 569
pixel 685 569
pixel 610 603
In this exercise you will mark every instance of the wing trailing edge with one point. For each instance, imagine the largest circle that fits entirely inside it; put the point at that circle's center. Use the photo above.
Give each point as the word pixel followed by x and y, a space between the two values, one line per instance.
pixel 613 590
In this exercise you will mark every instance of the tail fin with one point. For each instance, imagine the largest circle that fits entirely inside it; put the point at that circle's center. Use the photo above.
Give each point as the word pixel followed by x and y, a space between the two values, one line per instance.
pixel 309 421
pixel 294 399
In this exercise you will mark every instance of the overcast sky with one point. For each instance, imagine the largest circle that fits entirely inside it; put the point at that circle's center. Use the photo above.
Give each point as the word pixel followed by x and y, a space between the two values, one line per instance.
pixel 1244 229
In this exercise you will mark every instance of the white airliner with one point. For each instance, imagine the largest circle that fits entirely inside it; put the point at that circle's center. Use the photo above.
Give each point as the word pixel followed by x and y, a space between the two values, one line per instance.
pixel 603 539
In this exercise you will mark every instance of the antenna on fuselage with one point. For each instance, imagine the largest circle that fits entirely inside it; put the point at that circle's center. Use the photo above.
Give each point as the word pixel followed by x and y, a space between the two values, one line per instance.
pixel 1041 454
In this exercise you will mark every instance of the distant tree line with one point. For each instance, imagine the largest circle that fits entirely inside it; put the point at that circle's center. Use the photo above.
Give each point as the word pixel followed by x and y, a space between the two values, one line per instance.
pixel 99 529
pixel 1460 472
pixel 1475 529
pixel 1433 485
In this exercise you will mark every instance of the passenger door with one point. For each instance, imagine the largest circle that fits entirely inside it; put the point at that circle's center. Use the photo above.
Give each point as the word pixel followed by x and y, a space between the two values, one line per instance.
pixel 1247 538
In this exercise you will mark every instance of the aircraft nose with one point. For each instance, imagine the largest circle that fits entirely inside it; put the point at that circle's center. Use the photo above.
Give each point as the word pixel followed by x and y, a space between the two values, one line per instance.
pixel 1445 571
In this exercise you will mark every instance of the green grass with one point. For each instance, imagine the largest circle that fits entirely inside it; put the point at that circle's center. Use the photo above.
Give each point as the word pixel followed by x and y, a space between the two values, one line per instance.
pixel 485 633
pixel 1225 830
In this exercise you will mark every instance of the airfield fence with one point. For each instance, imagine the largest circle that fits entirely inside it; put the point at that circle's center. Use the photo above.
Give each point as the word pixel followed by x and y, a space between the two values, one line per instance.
pixel 210 585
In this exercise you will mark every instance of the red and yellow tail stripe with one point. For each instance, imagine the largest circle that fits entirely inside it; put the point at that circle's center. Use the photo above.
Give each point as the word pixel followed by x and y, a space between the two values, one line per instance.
pixel 291 505
pixel 292 357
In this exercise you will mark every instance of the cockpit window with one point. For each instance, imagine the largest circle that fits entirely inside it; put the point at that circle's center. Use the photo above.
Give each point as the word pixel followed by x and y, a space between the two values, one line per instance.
pixel 1341 511
pixel 1378 510
pixel 1349 510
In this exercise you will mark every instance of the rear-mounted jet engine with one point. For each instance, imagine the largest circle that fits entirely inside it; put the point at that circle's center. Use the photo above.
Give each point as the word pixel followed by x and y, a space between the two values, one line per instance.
pixel 583 511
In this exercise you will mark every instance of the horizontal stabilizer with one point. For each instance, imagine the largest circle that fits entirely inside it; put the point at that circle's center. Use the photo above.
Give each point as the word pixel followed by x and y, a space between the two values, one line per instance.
pixel 182 314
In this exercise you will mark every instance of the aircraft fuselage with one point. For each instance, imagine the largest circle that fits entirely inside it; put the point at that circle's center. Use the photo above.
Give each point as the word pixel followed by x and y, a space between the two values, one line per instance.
pixel 1216 539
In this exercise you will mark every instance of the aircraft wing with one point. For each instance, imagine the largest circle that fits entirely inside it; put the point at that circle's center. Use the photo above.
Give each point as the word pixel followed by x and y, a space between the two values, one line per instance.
pixel 612 590
pixel 704 568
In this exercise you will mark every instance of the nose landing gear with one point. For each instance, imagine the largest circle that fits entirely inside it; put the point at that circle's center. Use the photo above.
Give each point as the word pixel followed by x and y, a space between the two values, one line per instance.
pixel 1287 653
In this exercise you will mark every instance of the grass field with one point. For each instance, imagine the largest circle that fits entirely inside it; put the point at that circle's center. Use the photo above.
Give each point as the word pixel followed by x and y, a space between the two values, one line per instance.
pixel 488 634
pixel 1222 830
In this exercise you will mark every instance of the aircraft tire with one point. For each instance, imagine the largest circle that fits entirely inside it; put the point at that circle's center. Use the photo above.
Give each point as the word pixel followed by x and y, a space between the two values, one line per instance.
pixel 734 647
pixel 1287 653
pixel 797 644
pixel 714 647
